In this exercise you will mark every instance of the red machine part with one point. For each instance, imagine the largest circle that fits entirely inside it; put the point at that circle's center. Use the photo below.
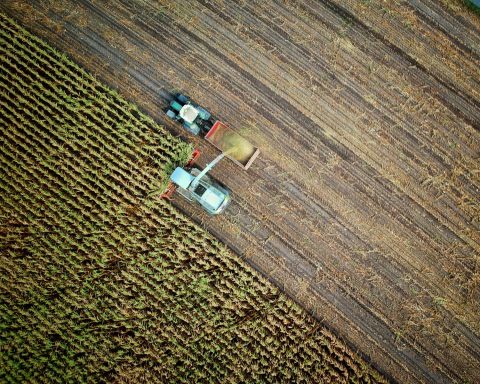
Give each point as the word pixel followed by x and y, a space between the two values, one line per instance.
pixel 212 130
pixel 193 159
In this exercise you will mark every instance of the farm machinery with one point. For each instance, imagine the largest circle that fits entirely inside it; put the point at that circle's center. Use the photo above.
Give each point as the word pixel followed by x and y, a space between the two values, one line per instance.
pixel 193 183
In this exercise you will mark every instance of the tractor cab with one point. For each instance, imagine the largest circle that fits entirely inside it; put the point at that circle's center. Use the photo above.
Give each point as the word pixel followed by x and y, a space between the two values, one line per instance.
pixel 194 118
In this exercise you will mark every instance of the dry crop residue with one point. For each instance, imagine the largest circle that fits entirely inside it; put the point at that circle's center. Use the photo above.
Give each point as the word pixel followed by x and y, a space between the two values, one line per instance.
pixel 363 203
pixel 100 280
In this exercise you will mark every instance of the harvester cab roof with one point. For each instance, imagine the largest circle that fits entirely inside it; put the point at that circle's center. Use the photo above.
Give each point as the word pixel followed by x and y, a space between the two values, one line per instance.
pixel 195 185
pixel 188 113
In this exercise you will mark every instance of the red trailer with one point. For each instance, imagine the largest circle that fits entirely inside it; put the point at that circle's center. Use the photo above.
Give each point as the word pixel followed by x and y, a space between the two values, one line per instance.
pixel 235 147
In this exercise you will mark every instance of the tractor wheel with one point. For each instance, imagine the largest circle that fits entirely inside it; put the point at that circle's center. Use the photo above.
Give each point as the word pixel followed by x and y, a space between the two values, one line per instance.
pixel 171 114
pixel 204 114
pixel 182 98
pixel 175 106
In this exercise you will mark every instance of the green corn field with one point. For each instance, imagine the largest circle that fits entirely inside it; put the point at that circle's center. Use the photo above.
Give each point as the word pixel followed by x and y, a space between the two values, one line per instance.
pixel 100 279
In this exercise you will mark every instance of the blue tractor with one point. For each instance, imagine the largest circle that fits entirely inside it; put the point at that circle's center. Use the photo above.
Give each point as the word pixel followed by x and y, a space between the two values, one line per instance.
pixel 194 118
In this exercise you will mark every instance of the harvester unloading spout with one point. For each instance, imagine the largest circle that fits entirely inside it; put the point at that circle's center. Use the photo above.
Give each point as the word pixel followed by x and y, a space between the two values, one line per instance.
pixel 207 169
pixel 196 185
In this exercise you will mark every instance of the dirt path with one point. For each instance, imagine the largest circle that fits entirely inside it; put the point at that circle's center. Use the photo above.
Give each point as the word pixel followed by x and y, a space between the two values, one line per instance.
pixel 363 205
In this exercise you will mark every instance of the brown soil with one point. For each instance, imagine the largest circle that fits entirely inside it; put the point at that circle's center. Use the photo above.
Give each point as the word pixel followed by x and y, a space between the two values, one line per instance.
pixel 363 205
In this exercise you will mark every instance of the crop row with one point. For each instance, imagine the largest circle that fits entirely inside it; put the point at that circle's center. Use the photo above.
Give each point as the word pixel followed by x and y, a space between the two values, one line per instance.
pixel 102 281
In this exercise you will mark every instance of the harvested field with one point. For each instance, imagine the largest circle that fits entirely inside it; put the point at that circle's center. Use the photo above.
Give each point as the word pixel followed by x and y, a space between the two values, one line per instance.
pixel 101 281
pixel 363 204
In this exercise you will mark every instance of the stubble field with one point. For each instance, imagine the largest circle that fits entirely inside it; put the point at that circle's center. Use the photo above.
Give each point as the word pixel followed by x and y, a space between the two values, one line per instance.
pixel 363 205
